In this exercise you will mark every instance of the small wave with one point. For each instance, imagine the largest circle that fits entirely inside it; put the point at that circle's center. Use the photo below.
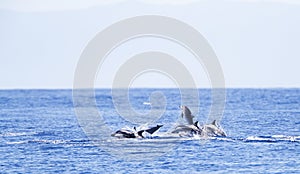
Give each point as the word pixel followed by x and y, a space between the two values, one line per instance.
pixel 147 103
pixel 273 138
pixel 225 139
pixel 259 139
pixel 37 134
pixel 55 142
pixel 286 138
pixel 17 142
pixel 38 141
pixel 49 141
pixel 15 134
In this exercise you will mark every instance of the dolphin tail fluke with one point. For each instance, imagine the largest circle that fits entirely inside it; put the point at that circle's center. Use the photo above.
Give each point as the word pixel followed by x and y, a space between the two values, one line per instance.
pixel 140 133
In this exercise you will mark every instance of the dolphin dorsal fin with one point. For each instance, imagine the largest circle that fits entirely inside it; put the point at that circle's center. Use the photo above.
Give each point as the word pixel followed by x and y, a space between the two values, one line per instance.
pixel 214 122
pixel 196 124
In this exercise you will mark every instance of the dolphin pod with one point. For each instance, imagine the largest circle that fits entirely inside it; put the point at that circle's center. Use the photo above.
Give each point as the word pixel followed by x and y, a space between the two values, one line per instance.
pixel 184 130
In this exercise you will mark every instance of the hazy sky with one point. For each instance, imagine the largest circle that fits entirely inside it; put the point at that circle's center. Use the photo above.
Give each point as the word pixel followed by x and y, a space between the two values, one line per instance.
pixel 257 42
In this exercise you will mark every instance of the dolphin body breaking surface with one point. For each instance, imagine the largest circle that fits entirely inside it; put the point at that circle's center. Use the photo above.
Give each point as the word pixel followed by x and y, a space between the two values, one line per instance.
pixel 126 133
pixel 187 114
pixel 207 130
pixel 187 128
pixel 213 130
pixel 193 128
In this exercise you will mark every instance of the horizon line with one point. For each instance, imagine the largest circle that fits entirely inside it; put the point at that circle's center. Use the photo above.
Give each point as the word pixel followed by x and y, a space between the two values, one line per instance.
pixel 106 88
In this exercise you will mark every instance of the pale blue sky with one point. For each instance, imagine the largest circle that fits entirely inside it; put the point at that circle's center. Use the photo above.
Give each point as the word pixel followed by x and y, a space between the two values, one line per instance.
pixel 257 42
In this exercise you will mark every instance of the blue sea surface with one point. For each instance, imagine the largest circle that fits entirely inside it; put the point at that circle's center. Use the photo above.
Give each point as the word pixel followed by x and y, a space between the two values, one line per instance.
pixel 40 133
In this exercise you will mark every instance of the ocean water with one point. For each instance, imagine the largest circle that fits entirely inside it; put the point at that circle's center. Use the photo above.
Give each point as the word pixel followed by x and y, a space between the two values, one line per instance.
pixel 40 133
